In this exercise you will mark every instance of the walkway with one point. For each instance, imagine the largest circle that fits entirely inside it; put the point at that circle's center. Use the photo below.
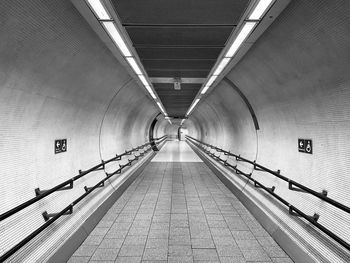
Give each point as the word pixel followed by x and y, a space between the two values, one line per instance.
pixel 176 151
pixel 178 212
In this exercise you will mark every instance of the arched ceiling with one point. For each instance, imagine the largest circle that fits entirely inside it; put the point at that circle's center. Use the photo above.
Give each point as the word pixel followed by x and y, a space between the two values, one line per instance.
pixel 179 39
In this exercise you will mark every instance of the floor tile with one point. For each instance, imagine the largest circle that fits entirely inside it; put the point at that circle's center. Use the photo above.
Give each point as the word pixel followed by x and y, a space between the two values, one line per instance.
pixel 178 212
pixel 105 254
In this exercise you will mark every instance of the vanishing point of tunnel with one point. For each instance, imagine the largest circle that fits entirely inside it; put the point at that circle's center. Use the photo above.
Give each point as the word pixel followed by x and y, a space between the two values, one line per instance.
pixel 180 131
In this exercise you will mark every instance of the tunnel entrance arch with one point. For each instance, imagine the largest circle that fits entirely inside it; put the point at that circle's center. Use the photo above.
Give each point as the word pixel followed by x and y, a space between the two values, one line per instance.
pixel 151 132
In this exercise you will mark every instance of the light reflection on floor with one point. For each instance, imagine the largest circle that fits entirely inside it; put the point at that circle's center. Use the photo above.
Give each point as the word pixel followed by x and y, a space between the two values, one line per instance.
pixel 176 151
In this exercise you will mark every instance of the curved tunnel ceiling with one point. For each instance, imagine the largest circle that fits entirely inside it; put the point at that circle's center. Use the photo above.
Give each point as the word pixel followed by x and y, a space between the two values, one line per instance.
pixel 179 39
pixel 180 49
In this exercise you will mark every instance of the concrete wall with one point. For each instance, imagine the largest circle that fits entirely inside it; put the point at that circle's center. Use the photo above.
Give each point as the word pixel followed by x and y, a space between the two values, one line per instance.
pixel 296 77
pixel 58 81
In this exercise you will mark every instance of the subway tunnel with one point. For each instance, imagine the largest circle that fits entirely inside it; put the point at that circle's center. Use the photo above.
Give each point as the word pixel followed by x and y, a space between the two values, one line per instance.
pixel 175 131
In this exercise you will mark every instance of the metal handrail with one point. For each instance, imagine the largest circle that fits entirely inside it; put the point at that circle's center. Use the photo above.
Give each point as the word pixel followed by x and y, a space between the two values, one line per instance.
pixel 292 209
pixel 161 138
pixel 69 208
pixel 65 183
pixel 278 174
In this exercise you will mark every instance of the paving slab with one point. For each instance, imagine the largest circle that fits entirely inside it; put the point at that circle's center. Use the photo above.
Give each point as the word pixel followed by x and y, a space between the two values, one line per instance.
pixel 178 212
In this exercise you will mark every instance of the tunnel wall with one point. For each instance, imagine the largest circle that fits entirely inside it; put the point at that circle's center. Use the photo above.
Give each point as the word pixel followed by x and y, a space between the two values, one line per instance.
pixel 160 127
pixel 59 81
pixel 296 77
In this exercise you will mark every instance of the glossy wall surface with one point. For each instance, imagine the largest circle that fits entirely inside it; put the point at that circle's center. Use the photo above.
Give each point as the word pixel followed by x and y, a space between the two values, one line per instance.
pixel 59 81
pixel 296 77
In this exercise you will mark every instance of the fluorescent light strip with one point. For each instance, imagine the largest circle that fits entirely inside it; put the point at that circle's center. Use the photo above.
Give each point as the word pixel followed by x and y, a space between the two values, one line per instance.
pixel 113 32
pixel 192 107
pixel 182 121
pixel 115 35
pixel 260 9
pixel 161 108
pixel 143 80
pixel 170 121
pixel 205 89
pixel 150 91
pixel 247 28
pixel 221 66
pixel 211 80
pixel 99 9
pixel 243 34
pixel 134 65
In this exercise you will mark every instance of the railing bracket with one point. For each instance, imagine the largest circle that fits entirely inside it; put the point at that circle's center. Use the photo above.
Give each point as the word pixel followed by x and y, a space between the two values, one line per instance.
pixel 102 184
pixel 314 218
pixel 68 187
pixel 257 168
pixel 271 189
pixel 47 216
pixel 297 189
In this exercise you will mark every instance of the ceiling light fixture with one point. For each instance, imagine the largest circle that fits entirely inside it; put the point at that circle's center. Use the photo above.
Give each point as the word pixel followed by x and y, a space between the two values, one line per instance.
pixel 243 34
pixel 161 108
pixel 117 38
pixel 99 9
pixel 134 65
pixel 111 28
pixel 150 91
pixel 260 9
pixel 192 107
pixel 211 80
pixel 204 90
pixel 221 66
pixel 143 80
pixel 247 27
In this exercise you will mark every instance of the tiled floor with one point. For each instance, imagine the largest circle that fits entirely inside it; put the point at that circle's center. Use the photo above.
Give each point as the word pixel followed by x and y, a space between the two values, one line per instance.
pixel 178 212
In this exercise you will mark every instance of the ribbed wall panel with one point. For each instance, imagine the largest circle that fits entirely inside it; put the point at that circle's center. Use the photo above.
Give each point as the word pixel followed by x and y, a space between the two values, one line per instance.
pixel 58 80
pixel 296 77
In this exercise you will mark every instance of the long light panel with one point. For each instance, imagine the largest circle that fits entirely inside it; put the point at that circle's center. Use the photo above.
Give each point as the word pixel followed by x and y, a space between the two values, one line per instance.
pixel 243 34
pixel 192 107
pixel 161 108
pixel 221 66
pixel 246 28
pixel 169 120
pixel 134 65
pixel 117 38
pixel 260 9
pixel 150 91
pixel 111 28
pixel 99 10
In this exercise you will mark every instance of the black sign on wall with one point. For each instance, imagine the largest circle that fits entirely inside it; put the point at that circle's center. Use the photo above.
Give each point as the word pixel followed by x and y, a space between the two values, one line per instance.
pixel 60 146
pixel 305 145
